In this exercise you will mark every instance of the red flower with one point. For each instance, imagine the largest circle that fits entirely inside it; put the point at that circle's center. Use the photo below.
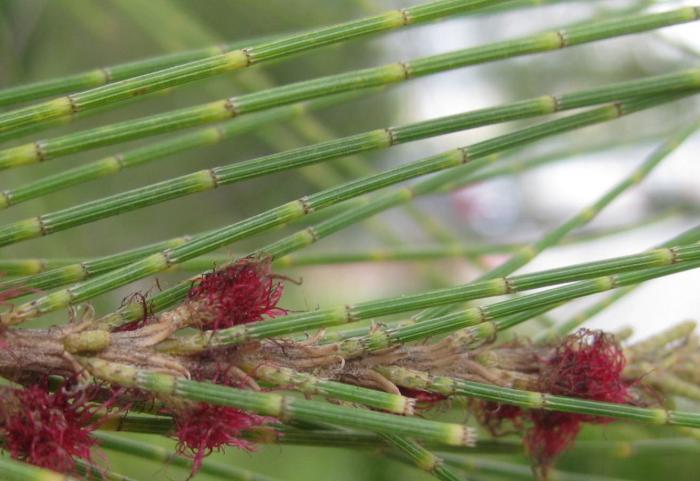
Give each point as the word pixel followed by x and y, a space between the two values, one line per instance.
pixel 49 429
pixel 586 365
pixel 204 428
pixel 243 292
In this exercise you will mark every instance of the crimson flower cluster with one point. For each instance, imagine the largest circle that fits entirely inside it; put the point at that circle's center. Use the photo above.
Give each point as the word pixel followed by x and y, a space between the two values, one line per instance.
pixel 587 365
pixel 49 429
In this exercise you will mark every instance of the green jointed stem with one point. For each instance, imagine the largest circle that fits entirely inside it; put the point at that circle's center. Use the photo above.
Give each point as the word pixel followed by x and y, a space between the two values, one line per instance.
pixel 69 270
pixel 310 384
pixel 57 272
pixel 301 207
pixel 114 73
pixel 688 237
pixel 116 163
pixel 375 139
pixel 237 59
pixel 553 237
pixel 535 400
pixel 13 470
pixel 309 236
pixel 589 213
pixel 680 257
pixel 515 472
pixel 212 178
pixel 93 472
pixel 282 407
pixel 161 455
pixel 31 266
pixel 74 271
pixel 357 80
pixel 485 321
pixel 338 438
pixel 421 457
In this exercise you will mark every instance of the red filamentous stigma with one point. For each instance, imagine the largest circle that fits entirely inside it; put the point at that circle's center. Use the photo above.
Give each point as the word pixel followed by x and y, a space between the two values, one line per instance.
pixel 586 365
pixel 48 429
pixel 205 428
pixel 243 292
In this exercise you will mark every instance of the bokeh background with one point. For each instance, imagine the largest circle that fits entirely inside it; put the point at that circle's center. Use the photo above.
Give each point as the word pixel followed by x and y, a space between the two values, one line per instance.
pixel 43 38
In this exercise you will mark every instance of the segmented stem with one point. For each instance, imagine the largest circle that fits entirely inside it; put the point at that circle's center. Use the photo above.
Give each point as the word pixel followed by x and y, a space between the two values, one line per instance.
pixel 301 207
pixel 282 407
pixel 351 81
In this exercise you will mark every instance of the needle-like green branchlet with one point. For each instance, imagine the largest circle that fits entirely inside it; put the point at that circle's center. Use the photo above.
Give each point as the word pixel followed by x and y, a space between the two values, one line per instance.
pixel 114 73
pixel 93 472
pixel 52 273
pixel 161 455
pixel 282 407
pixel 513 471
pixel 482 322
pixel 590 212
pixel 535 400
pixel 310 235
pixel 301 207
pixel 687 255
pixel 421 457
pixel 357 80
pixel 28 267
pixel 690 236
pixel 372 140
pixel 13 470
pixel 216 64
pixel 117 163
pixel 312 385
pixel 587 214
pixel 74 271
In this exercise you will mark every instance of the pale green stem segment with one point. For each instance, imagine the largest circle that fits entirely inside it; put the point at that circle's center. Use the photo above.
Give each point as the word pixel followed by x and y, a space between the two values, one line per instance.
pixel 93 472
pixel 368 141
pixel 163 456
pixel 535 400
pixel 658 341
pixel 687 237
pixel 313 385
pixel 282 407
pixel 117 163
pixel 590 212
pixel 422 458
pixel 354 440
pixel 293 210
pixel 554 237
pixel 31 266
pixel 351 81
pixel 309 236
pixel 57 272
pixel 113 73
pixel 483 322
pixel 301 207
pixel 515 472
pixel 13 470
pixel 116 92
pixel 613 271
pixel 73 271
